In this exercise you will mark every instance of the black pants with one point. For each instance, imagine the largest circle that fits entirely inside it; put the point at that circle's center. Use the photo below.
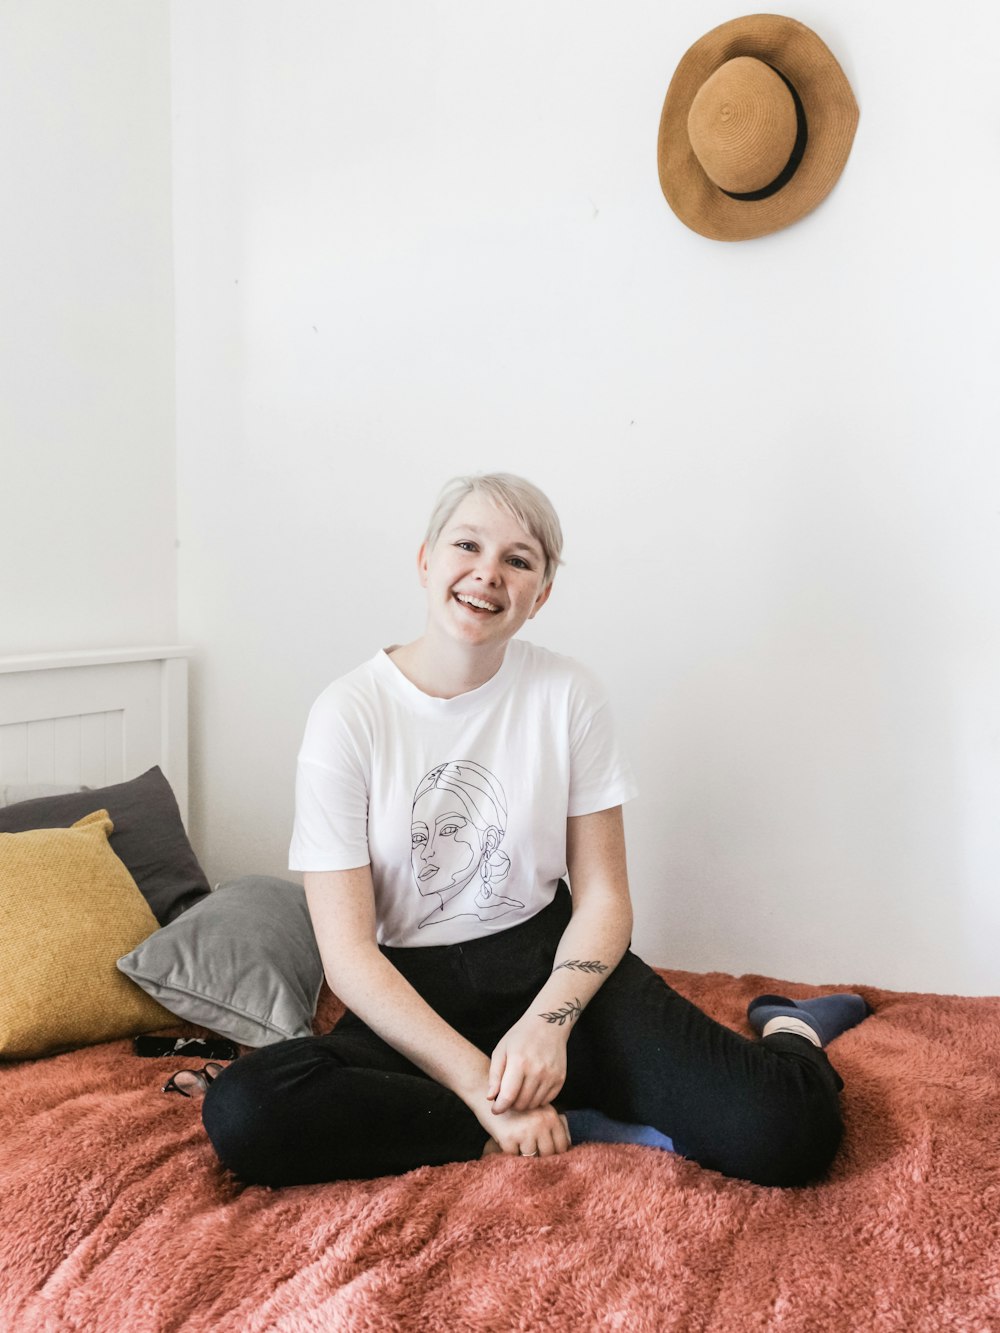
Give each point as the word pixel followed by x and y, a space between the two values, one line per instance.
pixel 347 1105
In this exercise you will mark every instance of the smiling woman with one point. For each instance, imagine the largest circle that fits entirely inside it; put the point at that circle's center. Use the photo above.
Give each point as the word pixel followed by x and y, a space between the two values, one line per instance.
pixel 485 576
pixel 445 791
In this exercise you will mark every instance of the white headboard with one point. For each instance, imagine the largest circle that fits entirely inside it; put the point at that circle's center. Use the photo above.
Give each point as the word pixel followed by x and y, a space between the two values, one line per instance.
pixel 93 718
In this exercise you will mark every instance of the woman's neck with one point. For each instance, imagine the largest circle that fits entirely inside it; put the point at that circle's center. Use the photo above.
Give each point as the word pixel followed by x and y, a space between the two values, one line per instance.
pixel 446 670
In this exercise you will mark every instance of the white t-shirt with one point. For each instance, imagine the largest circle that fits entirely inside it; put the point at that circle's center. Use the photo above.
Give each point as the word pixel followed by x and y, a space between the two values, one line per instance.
pixel 459 805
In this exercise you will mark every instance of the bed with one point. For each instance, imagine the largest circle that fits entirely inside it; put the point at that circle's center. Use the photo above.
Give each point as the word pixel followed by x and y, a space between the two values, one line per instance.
pixel 115 1215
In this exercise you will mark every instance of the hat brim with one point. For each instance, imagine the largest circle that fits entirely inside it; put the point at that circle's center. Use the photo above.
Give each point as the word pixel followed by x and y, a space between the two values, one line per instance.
pixel 831 116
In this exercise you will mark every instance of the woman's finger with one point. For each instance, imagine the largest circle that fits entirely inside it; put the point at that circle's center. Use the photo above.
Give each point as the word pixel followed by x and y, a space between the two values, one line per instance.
pixel 529 1097
pixel 546 1092
pixel 509 1089
pixel 537 1090
pixel 550 1136
pixel 559 1136
pixel 498 1062
pixel 554 1141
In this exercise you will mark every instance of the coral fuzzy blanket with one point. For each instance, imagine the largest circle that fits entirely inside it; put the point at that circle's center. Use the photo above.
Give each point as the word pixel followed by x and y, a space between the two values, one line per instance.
pixel 114 1214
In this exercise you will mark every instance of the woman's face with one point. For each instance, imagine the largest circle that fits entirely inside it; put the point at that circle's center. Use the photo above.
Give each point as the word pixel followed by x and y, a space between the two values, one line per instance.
pixel 446 848
pixel 484 575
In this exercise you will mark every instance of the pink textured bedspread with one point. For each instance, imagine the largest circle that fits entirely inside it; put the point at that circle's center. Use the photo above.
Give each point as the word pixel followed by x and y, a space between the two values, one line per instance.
pixel 114 1214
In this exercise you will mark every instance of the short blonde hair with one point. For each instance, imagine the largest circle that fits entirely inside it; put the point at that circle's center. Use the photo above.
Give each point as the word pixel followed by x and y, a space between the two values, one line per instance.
pixel 531 507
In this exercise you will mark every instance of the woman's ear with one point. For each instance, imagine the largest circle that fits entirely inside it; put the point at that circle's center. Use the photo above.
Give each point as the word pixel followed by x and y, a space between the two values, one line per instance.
pixel 540 600
pixel 422 564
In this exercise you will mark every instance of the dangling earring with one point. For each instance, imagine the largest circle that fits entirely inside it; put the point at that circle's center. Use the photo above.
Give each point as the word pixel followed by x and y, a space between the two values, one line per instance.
pixel 484 873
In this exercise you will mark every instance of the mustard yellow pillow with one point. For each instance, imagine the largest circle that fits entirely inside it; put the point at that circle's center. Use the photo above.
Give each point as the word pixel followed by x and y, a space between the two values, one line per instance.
pixel 68 910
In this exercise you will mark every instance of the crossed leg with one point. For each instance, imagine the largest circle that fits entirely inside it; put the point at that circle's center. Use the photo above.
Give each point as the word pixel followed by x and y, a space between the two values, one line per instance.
pixel 766 1111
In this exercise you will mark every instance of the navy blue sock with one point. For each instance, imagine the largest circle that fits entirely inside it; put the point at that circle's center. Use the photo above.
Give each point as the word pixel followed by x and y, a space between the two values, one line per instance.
pixel 589 1126
pixel 827 1015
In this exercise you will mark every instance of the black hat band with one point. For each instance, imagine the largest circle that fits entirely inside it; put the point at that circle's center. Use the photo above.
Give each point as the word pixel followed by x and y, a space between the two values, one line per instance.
pixel 798 149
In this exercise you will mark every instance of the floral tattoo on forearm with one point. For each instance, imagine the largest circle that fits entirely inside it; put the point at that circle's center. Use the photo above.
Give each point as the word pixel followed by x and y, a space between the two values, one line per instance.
pixel 572 1009
pixel 569 1012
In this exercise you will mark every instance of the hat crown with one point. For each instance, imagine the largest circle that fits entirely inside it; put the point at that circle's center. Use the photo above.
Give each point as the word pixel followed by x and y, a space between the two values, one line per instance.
pixel 742 125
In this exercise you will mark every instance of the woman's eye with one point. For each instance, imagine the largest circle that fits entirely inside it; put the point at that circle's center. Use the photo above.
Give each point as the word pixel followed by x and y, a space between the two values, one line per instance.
pixel 418 839
pixel 518 563
pixel 466 546
pixel 450 830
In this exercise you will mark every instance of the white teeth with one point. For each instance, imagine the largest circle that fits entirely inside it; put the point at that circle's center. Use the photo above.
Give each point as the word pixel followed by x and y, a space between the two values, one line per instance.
pixel 475 601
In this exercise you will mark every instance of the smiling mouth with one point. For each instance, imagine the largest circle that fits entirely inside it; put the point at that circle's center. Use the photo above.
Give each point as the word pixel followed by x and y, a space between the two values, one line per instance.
pixel 476 603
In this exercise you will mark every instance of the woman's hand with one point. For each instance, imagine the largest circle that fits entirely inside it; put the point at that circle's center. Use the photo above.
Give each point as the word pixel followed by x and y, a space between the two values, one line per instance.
pixel 528 1066
pixel 542 1132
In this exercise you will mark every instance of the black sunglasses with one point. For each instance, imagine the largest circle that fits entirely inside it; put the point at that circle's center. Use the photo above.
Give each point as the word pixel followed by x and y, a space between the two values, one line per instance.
pixel 190 1082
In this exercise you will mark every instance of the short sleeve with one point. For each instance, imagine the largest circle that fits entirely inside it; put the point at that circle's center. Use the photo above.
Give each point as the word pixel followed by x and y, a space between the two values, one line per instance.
pixel 600 773
pixel 331 794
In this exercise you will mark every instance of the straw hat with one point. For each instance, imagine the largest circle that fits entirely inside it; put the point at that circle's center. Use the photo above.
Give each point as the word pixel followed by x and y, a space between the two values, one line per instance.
pixel 757 124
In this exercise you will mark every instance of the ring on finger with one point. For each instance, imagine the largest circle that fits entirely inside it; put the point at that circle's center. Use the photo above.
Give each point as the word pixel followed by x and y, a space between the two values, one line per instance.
pixel 529 1154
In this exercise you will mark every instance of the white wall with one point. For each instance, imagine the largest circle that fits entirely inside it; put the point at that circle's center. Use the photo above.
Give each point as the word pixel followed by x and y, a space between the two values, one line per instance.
pixel 414 239
pixel 87 499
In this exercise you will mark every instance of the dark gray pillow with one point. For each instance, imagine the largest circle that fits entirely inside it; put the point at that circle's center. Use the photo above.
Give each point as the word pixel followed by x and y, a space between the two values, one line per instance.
pixel 148 836
pixel 242 962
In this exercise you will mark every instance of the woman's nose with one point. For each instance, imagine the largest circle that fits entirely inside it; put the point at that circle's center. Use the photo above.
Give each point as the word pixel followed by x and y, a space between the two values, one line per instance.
pixel 488 569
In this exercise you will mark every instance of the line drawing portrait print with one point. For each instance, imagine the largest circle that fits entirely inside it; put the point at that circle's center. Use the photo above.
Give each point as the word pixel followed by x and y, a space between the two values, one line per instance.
pixel 458 823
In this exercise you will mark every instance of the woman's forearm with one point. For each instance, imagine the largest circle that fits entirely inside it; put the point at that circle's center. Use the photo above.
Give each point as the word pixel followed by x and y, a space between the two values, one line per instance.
pixel 528 1064
pixel 342 910
pixel 591 947
pixel 381 996
pixel 600 928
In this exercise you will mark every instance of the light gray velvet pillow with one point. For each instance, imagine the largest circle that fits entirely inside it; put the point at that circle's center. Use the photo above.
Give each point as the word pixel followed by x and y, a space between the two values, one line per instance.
pixel 242 961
